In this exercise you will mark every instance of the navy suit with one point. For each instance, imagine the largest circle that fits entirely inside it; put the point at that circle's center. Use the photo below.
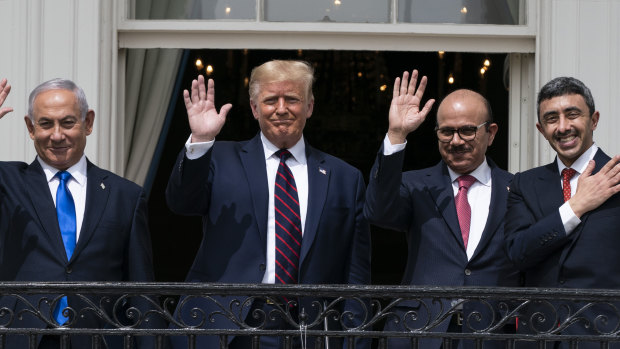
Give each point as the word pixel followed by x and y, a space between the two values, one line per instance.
pixel 114 242
pixel 421 204
pixel 228 188
pixel 538 244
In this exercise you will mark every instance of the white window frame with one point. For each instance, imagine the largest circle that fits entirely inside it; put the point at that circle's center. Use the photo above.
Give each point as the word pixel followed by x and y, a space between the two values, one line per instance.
pixel 518 40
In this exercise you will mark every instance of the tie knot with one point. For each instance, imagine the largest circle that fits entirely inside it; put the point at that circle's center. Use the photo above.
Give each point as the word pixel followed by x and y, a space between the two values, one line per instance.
pixel 568 173
pixel 283 154
pixel 63 175
pixel 466 181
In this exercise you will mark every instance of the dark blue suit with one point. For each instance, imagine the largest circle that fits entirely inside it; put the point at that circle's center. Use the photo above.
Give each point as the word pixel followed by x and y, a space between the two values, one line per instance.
pixel 421 204
pixel 114 242
pixel 228 188
pixel 538 244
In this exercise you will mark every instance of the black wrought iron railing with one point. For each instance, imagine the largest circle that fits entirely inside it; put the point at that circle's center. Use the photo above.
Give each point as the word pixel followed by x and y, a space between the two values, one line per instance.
pixel 316 316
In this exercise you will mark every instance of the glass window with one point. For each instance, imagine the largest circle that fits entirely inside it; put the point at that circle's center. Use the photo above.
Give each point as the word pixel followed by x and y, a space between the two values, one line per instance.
pixel 194 9
pixel 460 11
pixel 359 11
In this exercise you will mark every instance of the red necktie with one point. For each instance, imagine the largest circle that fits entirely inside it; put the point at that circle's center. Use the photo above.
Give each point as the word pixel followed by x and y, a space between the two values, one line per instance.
pixel 567 174
pixel 288 222
pixel 463 210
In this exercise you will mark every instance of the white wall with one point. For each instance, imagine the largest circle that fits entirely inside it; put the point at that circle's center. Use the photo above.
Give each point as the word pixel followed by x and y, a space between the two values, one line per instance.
pixel 581 38
pixel 45 40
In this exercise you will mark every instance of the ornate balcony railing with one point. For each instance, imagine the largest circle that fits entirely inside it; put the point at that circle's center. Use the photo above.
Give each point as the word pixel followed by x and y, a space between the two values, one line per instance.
pixel 310 313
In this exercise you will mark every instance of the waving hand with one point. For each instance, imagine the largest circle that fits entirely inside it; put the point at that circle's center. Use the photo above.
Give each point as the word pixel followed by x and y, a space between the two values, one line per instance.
pixel 204 120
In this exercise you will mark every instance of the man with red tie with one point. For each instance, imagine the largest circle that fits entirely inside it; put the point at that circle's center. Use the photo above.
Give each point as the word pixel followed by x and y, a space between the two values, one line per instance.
pixel 562 219
pixel 275 209
pixel 451 212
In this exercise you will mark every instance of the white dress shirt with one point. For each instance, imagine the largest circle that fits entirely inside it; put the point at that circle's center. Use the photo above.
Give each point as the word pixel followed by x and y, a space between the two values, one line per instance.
pixel 569 219
pixel 76 185
pixel 299 167
pixel 478 195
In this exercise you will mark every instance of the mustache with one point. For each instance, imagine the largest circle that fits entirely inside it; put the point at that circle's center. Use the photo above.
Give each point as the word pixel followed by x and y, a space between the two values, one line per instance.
pixel 564 134
pixel 463 148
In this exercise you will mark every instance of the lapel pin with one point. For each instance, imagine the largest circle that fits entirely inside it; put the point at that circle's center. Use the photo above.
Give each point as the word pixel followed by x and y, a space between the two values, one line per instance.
pixel 322 170
pixel 508 188
pixel 102 185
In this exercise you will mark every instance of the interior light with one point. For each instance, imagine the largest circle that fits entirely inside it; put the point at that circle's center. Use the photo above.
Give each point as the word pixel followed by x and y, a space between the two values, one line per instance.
pixel 441 53
pixel 337 2
pixel 464 10
pixel 482 71
pixel 199 64
pixel 359 74
pixel 227 10
pixel 209 69
pixel 487 63
pixel 383 88
pixel 451 79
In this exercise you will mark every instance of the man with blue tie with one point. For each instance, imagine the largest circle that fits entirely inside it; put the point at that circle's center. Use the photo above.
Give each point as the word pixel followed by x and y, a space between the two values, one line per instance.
pixel 274 208
pixel 562 219
pixel 65 219
pixel 451 212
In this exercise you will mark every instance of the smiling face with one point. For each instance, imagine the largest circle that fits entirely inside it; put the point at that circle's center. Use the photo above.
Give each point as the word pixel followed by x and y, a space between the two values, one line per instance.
pixel 282 108
pixel 465 108
pixel 567 125
pixel 58 132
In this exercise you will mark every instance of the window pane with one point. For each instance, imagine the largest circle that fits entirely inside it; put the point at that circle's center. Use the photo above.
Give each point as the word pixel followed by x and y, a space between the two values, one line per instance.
pixel 460 11
pixel 359 11
pixel 195 9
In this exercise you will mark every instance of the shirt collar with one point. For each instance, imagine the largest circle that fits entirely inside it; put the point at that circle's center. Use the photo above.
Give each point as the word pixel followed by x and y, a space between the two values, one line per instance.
pixel 77 171
pixel 482 174
pixel 298 150
pixel 582 161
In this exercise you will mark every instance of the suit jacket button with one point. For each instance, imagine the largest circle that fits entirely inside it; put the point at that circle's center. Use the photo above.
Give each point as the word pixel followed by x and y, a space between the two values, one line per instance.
pixel 69 270
pixel 467 272
pixel 262 267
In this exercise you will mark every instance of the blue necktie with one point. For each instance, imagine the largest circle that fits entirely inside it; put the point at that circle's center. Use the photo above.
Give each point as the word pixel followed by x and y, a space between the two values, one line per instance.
pixel 65 210
pixel 288 223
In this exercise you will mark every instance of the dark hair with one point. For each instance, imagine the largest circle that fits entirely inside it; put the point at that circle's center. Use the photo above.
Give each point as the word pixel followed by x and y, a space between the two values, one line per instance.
pixel 565 85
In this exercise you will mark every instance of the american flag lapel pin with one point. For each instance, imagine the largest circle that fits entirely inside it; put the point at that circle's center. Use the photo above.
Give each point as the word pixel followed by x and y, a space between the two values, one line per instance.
pixel 102 185
pixel 322 170
pixel 508 188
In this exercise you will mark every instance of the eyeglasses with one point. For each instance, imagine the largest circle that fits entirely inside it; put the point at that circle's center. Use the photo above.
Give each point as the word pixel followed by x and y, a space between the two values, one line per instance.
pixel 467 133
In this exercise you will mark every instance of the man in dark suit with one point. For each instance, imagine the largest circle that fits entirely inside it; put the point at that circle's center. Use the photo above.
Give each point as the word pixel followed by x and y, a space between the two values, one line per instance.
pixel 446 246
pixel 256 229
pixel 65 219
pixel 562 219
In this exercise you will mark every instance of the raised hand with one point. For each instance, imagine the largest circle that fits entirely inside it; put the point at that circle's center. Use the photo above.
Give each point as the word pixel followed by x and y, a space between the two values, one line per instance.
pixel 594 190
pixel 405 115
pixel 204 120
pixel 5 88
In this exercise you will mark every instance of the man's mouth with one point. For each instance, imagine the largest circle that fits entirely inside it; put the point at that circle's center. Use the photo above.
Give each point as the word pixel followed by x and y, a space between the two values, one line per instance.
pixel 566 140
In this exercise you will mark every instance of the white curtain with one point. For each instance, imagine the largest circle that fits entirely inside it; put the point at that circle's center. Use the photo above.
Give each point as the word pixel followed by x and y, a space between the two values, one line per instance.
pixel 150 77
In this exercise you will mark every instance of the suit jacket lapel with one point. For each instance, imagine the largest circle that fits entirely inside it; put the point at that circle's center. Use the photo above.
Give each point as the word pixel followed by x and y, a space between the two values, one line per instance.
pixel 440 188
pixel 497 208
pixel 43 203
pixel 97 194
pixel 253 160
pixel 600 159
pixel 318 180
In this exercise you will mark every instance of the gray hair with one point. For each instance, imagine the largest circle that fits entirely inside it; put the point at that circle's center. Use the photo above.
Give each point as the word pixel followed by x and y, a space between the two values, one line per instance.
pixel 562 86
pixel 282 70
pixel 59 84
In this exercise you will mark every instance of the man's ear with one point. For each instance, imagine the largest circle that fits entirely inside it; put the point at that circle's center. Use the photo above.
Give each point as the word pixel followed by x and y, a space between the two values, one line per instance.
pixel 29 126
pixel 89 121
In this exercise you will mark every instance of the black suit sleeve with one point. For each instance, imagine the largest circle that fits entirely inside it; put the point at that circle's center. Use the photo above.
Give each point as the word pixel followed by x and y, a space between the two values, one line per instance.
pixel 388 202
pixel 189 186
pixel 530 237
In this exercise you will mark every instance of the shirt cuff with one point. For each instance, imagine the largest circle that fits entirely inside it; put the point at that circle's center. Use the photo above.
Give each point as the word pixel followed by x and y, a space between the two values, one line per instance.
pixel 195 150
pixel 389 148
pixel 569 219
